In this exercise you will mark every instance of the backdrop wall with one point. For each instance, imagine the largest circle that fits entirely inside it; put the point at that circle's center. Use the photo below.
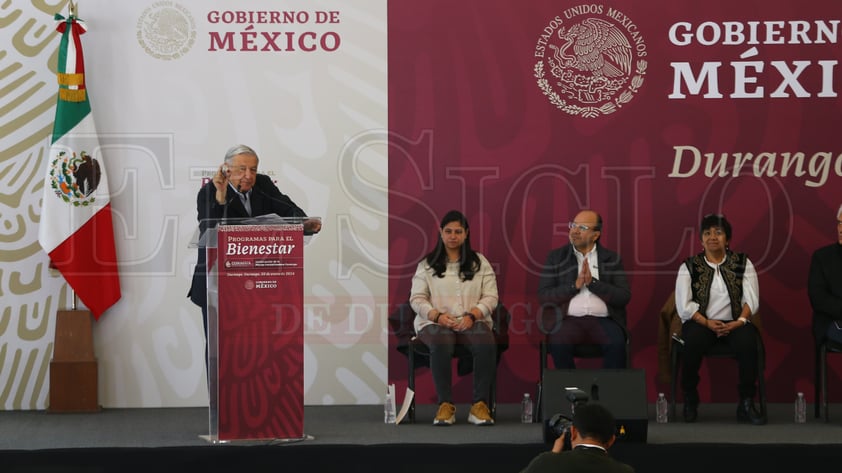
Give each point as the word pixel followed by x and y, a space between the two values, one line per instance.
pixel 492 109
pixel 174 84
pixel 652 113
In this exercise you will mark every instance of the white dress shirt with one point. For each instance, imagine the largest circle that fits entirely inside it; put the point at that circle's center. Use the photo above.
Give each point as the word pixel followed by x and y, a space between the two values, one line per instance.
pixel 585 302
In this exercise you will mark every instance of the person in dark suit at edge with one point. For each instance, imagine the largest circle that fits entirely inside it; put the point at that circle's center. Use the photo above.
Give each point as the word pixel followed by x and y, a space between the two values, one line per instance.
pixel 591 435
pixel 824 286
pixel 584 290
pixel 238 191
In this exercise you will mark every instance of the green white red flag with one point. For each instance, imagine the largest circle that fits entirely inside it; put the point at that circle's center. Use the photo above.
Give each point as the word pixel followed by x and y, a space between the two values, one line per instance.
pixel 76 230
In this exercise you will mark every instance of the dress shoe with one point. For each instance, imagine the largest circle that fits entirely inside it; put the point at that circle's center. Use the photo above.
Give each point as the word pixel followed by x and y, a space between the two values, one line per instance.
pixel 691 411
pixel 746 412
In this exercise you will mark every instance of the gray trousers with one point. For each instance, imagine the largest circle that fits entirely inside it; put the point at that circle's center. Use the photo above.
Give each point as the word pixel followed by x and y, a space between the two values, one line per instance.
pixel 478 340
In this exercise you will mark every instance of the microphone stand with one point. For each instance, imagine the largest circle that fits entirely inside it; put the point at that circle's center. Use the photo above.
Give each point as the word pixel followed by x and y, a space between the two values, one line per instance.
pixel 225 211
pixel 225 205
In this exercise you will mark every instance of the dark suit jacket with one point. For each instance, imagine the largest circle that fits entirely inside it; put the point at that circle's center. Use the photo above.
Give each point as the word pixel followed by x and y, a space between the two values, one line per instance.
pixel 558 278
pixel 824 288
pixel 265 199
pixel 578 460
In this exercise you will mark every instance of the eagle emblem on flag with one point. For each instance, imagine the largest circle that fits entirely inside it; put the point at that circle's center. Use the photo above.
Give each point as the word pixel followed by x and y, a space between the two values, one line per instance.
pixel 74 178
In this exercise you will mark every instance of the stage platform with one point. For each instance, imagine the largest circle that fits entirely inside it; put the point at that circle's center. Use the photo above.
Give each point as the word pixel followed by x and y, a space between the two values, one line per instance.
pixel 354 438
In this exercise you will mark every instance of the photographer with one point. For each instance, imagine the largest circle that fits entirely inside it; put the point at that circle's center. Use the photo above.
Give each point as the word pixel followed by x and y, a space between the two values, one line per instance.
pixel 591 434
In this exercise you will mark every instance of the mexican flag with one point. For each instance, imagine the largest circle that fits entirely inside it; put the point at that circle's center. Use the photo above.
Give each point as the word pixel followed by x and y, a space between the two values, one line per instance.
pixel 76 228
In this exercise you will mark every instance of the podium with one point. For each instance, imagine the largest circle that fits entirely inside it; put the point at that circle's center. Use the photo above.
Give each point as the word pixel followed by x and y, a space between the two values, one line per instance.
pixel 255 335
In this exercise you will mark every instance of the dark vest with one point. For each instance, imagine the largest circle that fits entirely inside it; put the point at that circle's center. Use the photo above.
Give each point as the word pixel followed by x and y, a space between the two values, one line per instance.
pixel 701 278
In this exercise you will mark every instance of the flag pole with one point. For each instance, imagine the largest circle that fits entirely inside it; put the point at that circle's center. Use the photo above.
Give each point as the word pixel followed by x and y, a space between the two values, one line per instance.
pixel 74 298
pixel 73 11
pixel 73 368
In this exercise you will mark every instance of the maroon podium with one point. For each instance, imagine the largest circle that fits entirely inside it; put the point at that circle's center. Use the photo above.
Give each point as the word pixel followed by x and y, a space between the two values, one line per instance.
pixel 255 328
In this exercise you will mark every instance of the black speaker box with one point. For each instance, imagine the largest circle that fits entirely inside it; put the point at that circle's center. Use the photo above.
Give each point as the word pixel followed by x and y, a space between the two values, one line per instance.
pixel 622 391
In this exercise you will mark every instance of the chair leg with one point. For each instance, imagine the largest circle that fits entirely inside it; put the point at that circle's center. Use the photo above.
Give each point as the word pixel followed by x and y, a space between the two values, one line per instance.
pixel 674 361
pixel 823 361
pixel 761 375
pixel 410 382
pixel 542 366
pixel 817 383
pixel 492 397
pixel 628 352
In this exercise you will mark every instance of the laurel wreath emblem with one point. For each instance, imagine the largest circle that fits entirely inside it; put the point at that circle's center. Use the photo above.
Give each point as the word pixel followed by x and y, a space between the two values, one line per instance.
pixel 166 31
pixel 591 112
pixel 63 180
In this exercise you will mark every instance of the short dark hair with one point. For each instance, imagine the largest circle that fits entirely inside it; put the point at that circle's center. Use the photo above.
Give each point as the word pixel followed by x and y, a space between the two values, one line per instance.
pixel 715 220
pixel 595 421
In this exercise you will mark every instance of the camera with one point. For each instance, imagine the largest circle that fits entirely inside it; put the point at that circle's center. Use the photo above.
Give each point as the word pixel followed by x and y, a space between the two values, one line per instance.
pixel 559 424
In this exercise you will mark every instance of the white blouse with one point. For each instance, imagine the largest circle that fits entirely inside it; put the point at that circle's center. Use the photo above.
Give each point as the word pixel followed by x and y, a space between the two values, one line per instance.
pixel 719 306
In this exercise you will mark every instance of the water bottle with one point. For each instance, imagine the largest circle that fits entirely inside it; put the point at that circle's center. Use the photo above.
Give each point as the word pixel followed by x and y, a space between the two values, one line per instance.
pixel 526 409
pixel 661 409
pixel 388 408
pixel 800 409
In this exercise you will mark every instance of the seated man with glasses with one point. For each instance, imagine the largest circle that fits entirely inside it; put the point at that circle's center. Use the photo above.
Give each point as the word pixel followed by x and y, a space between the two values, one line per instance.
pixel 584 292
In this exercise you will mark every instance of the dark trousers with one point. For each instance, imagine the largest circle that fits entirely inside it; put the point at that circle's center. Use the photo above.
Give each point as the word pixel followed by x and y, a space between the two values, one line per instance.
pixel 442 341
pixel 698 339
pixel 588 330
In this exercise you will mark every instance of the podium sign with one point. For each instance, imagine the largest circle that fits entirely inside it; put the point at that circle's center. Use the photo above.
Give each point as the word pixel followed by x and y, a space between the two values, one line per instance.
pixel 259 347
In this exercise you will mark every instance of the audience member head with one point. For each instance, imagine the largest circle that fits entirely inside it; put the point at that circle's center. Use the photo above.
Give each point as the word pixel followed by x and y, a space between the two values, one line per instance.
pixel 454 235
pixel 717 221
pixel 593 423
pixel 585 230
pixel 715 235
pixel 456 218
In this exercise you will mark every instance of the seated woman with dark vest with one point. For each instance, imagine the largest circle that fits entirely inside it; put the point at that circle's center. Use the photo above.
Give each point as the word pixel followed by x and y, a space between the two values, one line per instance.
pixel 716 293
